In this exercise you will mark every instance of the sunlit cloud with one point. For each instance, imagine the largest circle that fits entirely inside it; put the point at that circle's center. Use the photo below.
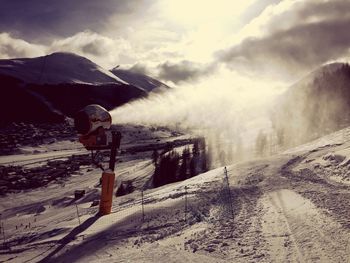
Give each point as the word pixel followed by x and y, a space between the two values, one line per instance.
pixel 206 24
pixel 103 50
pixel 11 47
pixel 197 13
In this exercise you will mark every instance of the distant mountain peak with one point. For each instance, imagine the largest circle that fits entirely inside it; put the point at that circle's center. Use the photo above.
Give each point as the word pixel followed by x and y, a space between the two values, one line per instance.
pixel 58 67
pixel 64 53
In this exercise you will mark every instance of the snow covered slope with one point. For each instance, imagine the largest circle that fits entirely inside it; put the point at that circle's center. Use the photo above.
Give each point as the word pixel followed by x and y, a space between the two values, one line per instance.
pixel 314 106
pixel 139 80
pixel 282 208
pixel 57 68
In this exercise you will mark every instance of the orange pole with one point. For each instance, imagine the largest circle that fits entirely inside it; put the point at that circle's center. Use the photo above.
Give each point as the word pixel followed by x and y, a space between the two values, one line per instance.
pixel 108 178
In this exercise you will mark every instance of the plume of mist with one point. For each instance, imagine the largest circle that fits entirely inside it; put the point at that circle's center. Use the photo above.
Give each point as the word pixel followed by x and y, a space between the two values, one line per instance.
pixel 315 106
pixel 227 109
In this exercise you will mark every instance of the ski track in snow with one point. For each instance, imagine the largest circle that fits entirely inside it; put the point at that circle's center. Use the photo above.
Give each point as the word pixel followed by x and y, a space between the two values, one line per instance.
pixel 299 232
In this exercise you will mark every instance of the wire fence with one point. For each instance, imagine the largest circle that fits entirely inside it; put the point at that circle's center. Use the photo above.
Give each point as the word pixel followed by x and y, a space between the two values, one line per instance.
pixel 169 208
pixel 182 204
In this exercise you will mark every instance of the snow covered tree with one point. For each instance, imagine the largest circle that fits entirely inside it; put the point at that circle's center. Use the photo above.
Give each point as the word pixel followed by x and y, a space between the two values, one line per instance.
pixel 185 160
pixel 261 143
pixel 166 170
pixel 155 157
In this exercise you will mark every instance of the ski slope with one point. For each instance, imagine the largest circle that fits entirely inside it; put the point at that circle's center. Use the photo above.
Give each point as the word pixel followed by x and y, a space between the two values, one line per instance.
pixel 284 208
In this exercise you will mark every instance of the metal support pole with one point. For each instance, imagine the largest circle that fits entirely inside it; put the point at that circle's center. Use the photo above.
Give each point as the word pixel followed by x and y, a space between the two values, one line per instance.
pixel 116 136
pixel 185 203
pixel 2 229
pixel 77 213
pixel 113 151
pixel 229 192
pixel 3 232
pixel 143 209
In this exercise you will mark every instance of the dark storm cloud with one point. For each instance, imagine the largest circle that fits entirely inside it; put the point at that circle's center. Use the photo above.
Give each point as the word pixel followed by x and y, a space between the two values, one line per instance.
pixel 320 34
pixel 331 9
pixel 33 19
pixel 302 47
pixel 184 71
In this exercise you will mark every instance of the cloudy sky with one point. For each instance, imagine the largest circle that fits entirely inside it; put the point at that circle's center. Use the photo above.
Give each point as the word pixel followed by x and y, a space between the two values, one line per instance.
pixel 183 41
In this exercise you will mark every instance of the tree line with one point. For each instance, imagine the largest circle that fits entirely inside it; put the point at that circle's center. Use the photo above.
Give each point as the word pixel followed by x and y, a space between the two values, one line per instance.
pixel 174 165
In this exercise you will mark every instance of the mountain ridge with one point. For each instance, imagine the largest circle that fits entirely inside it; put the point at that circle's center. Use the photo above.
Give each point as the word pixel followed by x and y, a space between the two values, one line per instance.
pixel 48 88
pixel 57 68
pixel 140 80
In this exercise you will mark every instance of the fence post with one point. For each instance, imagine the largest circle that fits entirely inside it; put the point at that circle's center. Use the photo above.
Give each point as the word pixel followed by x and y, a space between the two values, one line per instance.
pixel 186 204
pixel 2 229
pixel 143 209
pixel 3 232
pixel 77 213
pixel 229 192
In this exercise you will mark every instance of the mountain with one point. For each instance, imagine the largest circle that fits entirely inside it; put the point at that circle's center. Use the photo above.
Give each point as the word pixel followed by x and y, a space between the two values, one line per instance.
pixel 48 88
pixel 316 105
pixel 58 68
pixel 139 80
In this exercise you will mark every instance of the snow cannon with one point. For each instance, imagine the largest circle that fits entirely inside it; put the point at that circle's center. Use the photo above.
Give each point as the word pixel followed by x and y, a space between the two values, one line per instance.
pixel 93 124
pixel 91 118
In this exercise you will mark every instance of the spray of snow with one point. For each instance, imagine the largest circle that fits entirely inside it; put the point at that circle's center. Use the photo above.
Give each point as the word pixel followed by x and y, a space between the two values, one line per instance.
pixel 228 109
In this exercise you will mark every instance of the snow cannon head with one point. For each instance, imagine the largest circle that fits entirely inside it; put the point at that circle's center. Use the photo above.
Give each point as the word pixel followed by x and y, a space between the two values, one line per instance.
pixel 92 117
pixel 92 124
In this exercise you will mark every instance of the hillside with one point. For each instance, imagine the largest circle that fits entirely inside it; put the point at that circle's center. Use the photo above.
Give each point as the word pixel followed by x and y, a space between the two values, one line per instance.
pixel 19 103
pixel 314 106
pixel 291 207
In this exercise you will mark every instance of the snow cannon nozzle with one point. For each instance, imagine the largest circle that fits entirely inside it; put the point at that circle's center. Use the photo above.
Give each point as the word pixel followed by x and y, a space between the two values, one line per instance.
pixel 91 118
pixel 93 124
